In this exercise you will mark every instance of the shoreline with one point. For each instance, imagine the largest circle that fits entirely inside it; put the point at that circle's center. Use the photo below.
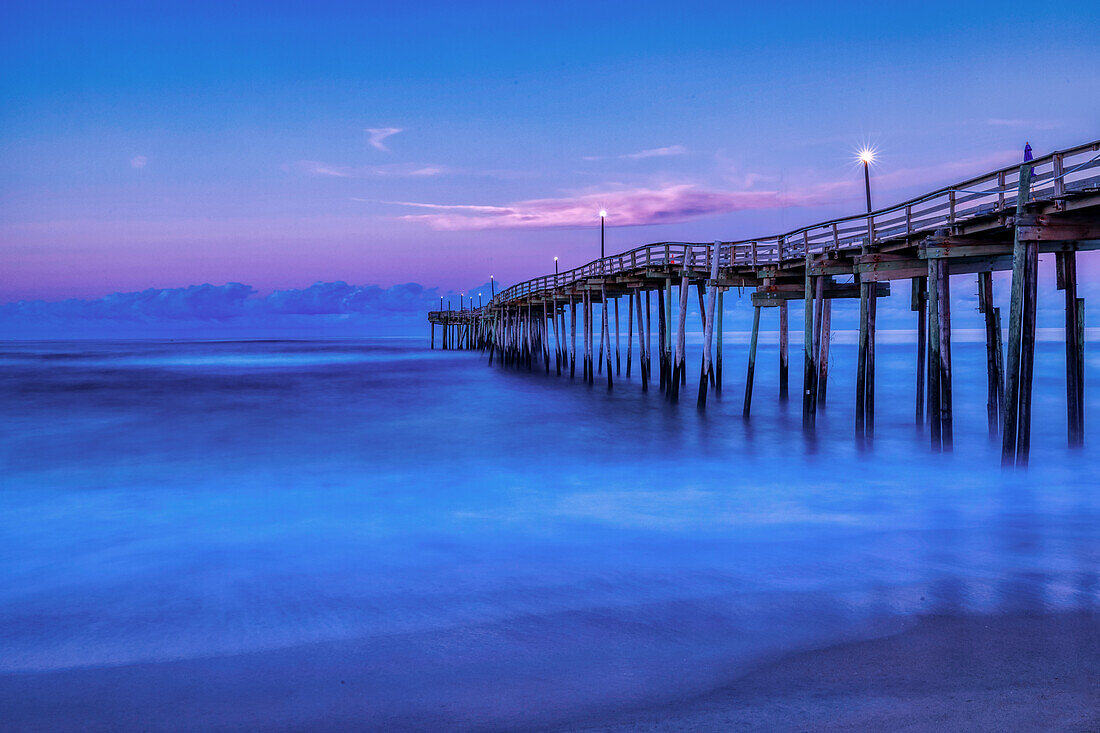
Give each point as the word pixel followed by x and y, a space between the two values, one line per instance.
pixel 996 673
pixel 1014 672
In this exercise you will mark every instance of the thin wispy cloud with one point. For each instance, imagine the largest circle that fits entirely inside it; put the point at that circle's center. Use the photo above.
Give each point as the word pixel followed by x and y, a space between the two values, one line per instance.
pixel 626 207
pixel 378 136
pixel 402 170
pixel 642 154
pixel 1012 122
pixel 656 152
pixel 138 161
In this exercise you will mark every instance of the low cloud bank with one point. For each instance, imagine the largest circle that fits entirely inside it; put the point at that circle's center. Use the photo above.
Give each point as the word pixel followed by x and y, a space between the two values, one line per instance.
pixel 337 308
pixel 340 310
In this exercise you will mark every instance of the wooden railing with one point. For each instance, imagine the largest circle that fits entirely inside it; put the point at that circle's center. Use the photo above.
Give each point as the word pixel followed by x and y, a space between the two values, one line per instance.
pixel 1053 176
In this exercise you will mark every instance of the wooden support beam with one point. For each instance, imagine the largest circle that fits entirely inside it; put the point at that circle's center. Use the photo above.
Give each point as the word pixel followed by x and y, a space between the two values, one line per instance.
pixel 661 326
pixel 1027 355
pixel 1010 448
pixel 752 361
pixel 603 322
pixel 1067 281
pixel 668 321
pixel 718 349
pixel 934 421
pixel 642 366
pixel 993 358
pixel 861 362
pixel 823 352
pixel 919 303
pixel 869 402
pixel 819 318
pixel 629 331
pixel 605 335
pixel 809 370
pixel 587 337
pixel 783 371
pixel 618 360
pixel 944 315
pixel 700 286
pixel 680 357
pixel 708 325
pixel 1081 370
pixel 572 338
pixel 557 338
pixel 772 295
pixel 648 339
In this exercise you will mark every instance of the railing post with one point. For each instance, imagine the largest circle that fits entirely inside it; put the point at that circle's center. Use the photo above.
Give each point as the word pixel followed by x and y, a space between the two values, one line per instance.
pixel 1059 182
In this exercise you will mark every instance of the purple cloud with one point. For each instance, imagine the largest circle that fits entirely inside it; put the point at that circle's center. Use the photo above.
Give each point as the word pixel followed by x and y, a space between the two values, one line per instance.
pixel 626 207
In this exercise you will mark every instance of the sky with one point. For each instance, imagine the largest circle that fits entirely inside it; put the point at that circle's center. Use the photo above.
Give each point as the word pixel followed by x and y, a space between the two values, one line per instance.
pixel 429 145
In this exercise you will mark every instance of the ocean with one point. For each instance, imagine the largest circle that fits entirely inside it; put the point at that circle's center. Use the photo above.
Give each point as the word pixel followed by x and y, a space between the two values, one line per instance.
pixel 481 547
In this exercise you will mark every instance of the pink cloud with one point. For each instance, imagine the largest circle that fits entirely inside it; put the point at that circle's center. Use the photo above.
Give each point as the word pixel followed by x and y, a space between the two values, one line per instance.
pixel 627 207
pixel 682 202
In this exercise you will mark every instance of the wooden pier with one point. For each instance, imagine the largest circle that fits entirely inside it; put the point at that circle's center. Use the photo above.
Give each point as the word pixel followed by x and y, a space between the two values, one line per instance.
pixel 999 221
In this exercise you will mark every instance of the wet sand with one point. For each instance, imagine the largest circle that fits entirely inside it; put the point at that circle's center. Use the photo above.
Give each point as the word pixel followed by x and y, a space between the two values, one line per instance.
pixel 945 673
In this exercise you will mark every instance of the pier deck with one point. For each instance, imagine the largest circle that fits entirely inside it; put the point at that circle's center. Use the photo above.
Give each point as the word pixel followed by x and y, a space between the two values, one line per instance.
pixel 973 227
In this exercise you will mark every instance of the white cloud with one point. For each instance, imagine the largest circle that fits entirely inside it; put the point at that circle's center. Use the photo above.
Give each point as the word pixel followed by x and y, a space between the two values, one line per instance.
pixel 656 152
pixel 416 170
pixel 379 134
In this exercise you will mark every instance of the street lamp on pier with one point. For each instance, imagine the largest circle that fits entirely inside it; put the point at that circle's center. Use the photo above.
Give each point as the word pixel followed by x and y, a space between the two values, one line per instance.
pixel 867 157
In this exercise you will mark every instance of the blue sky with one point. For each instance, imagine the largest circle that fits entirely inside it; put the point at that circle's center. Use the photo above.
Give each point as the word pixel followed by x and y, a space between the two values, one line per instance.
pixel 167 145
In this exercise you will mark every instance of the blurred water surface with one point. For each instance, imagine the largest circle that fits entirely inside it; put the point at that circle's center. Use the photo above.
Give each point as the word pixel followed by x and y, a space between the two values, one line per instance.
pixel 555 546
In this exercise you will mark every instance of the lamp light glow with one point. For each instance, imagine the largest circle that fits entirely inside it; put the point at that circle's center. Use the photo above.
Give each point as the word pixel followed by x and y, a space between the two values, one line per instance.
pixel 603 213
pixel 866 156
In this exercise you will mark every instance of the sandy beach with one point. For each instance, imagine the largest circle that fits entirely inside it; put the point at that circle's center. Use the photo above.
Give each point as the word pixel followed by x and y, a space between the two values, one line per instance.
pixel 945 673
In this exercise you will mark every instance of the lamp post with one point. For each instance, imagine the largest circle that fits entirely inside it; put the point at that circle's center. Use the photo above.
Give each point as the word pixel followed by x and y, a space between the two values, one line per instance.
pixel 603 215
pixel 493 287
pixel 479 303
pixel 865 373
pixel 867 156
